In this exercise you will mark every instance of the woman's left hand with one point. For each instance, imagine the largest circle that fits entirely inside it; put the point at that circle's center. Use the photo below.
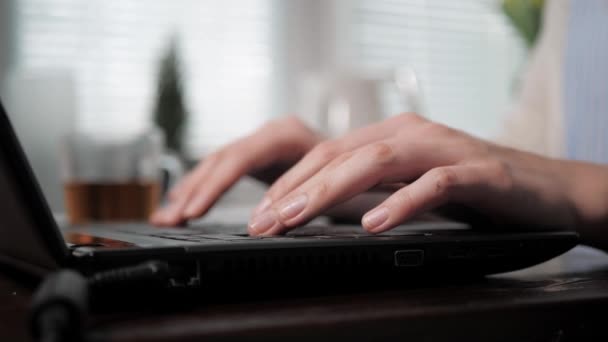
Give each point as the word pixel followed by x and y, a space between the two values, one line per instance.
pixel 435 164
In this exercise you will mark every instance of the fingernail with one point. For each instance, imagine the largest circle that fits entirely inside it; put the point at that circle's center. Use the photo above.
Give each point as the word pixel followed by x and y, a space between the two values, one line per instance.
pixel 263 222
pixel 375 218
pixel 294 207
pixel 265 204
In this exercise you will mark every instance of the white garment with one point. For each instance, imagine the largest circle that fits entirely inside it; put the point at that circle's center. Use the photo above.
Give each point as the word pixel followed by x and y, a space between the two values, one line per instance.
pixel 535 122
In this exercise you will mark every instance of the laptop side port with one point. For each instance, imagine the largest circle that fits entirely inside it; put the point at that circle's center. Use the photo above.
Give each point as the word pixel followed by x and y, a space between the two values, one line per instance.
pixel 184 274
pixel 409 257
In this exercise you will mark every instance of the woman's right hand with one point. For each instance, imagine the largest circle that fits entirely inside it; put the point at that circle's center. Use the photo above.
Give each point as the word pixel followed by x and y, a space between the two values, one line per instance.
pixel 265 154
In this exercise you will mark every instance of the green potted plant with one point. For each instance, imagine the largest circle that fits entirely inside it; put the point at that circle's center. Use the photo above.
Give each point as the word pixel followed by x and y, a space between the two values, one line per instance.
pixel 170 112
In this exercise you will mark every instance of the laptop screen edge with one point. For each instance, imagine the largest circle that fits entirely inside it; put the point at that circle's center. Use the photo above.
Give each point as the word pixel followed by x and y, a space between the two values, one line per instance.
pixel 40 237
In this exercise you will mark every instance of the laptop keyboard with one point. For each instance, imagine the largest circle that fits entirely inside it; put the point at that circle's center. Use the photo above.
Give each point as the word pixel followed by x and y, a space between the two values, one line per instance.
pixel 234 233
pixel 193 234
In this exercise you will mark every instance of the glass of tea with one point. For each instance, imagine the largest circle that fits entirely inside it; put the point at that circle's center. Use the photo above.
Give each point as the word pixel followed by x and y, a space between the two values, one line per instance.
pixel 115 179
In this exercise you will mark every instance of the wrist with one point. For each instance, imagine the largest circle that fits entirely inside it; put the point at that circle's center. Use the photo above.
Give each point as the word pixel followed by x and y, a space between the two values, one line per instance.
pixel 542 192
pixel 561 193
pixel 588 191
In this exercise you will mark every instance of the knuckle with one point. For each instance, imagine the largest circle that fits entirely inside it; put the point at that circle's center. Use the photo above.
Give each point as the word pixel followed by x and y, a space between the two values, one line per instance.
pixel 501 173
pixel 289 122
pixel 381 153
pixel 437 129
pixel 410 117
pixel 322 189
pixel 294 121
pixel 444 179
pixel 326 151
pixel 280 121
pixel 423 130
pixel 273 125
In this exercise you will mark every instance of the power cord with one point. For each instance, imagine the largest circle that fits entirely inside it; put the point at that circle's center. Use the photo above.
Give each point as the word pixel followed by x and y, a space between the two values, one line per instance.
pixel 60 305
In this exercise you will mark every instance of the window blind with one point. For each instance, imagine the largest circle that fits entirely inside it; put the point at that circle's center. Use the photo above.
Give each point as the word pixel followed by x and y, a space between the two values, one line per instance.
pixel 464 53
pixel 113 50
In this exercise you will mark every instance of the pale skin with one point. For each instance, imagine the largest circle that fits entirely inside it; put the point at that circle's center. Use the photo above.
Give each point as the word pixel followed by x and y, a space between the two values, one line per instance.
pixel 424 165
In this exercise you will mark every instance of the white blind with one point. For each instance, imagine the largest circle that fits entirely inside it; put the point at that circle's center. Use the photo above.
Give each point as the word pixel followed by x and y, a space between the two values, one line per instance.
pixel 465 54
pixel 113 47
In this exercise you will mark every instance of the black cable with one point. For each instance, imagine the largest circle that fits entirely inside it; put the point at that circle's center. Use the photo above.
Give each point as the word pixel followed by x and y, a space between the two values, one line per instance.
pixel 59 307
pixel 147 272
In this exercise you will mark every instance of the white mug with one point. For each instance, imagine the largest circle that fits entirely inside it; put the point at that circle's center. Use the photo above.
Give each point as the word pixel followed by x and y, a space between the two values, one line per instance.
pixel 338 102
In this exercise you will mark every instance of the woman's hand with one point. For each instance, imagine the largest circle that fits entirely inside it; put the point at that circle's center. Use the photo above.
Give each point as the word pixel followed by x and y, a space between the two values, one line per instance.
pixel 423 163
pixel 433 163
pixel 265 154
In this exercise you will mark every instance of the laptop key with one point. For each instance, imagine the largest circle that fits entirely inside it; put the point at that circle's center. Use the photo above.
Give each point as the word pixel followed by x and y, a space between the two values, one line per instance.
pixel 226 237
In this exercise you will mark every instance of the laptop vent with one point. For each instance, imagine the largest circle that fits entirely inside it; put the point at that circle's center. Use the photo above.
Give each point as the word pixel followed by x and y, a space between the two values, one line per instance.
pixel 305 261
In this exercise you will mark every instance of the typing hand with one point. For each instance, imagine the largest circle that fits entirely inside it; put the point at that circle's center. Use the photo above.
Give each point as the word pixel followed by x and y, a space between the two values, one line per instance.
pixel 264 154
pixel 435 164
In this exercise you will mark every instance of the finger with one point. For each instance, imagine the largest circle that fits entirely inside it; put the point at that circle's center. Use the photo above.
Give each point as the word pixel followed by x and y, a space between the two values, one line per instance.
pixel 226 167
pixel 205 167
pixel 170 215
pixel 324 152
pixel 353 209
pixel 388 187
pixel 210 189
pixel 348 175
pixel 192 178
pixel 196 193
pixel 189 188
pixel 459 183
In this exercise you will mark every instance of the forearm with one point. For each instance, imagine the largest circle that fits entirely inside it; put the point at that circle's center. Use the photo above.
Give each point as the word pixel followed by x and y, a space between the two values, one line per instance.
pixel 555 193
pixel 583 188
pixel 588 190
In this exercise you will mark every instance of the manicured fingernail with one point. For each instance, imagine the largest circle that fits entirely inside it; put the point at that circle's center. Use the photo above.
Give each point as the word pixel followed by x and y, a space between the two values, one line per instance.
pixel 265 204
pixel 294 207
pixel 263 222
pixel 375 218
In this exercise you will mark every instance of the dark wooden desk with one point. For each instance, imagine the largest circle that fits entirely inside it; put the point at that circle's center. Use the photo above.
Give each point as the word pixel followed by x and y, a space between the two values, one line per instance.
pixel 563 300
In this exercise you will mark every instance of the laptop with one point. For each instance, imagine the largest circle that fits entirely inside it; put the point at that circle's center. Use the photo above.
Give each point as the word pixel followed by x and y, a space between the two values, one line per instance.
pixel 208 255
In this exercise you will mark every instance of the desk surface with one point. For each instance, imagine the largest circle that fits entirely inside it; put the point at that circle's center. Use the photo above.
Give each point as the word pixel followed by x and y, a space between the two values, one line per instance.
pixel 560 300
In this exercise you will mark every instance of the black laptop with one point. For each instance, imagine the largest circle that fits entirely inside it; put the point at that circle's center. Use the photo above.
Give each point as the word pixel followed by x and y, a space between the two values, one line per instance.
pixel 215 255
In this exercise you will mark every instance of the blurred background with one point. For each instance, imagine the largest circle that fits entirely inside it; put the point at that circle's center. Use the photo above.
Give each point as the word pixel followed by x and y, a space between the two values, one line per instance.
pixel 219 69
